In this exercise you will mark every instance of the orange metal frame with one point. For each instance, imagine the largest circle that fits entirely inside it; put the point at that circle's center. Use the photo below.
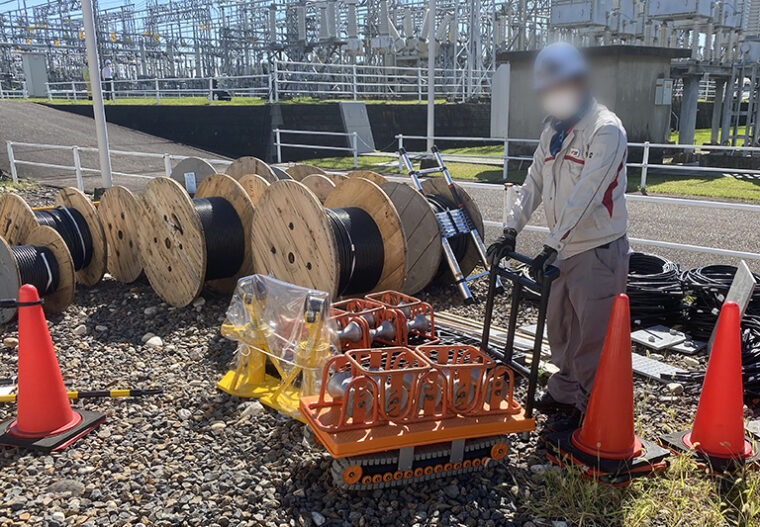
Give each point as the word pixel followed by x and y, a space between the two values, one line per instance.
pixel 400 397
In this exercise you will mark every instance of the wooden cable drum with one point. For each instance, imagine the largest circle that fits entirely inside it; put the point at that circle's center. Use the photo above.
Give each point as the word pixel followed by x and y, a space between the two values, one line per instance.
pixel 245 165
pixel 254 186
pixel 119 212
pixel 74 217
pixel 298 171
pixel 353 246
pixel 423 235
pixel 374 177
pixel 320 185
pixel 463 246
pixel 44 261
pixel 335 178
pixel 280 173
pixel 186 243
pixel 191 171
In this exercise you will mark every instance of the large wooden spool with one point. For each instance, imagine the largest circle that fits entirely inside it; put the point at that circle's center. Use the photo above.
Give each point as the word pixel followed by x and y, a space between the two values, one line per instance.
pixel 295 241
pixel 172 240
pixel 10 276
pixel 191 171
pixel 17 220
pixel 246 165
pixel 119 212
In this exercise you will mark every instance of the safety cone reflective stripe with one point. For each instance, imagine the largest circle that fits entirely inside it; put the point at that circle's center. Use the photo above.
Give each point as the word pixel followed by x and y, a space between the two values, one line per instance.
pixel 607 429
pixel 718 429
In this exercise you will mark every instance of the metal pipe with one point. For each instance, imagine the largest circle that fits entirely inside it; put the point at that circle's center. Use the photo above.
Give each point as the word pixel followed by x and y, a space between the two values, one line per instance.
pixel 98 110
pixel 431 76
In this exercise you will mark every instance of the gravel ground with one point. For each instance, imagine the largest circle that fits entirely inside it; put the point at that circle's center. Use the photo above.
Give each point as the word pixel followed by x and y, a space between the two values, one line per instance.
pixel 195 456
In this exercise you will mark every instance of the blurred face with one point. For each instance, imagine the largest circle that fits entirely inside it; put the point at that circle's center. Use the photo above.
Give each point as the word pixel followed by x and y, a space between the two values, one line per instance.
pixel 563 101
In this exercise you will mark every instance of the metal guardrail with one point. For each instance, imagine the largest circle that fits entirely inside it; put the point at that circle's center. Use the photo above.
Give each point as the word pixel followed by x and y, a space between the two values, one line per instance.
pixel 645 165
pixel 13 90
pixel 353 136
pixel 79 170
pixel 295 79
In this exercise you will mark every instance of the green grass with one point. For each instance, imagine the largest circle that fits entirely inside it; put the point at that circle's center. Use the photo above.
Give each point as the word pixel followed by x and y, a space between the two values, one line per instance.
pixel 7 185
pixel 703 185
pixel 701 135
pixel 683 496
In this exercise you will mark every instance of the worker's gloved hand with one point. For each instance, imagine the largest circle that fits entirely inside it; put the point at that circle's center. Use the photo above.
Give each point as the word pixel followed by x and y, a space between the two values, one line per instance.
pixel 543 260
pixel 503 244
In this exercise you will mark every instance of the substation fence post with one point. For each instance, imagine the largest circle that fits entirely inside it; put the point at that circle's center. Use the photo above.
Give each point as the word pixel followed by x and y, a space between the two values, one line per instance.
pixel 644 167
pixel 355 148
pixel 505 173
pixel 113 90
pixel 168 165
pixel 78 168
pixel 12 163
pixel 158 92
pixel 2 93
pixel 276 87
pixel 74 90
pixel 353 80
pixel 269 88
pixel 24 90
pixel 277 144
pixel 419 85
pixel 210 90
pixel 400 138
pixel 49 93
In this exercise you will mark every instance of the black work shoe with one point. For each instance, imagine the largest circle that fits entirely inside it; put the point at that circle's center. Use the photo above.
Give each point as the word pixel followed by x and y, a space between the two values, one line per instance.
pixel 546 404
pixel 567 423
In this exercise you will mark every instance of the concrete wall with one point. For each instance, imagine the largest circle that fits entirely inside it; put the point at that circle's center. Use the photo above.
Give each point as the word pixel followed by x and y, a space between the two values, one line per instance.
pixel 236 131
pixel 624 80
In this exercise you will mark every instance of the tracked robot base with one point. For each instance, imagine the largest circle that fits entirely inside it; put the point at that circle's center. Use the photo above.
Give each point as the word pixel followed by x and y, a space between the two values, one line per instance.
pixel 395 416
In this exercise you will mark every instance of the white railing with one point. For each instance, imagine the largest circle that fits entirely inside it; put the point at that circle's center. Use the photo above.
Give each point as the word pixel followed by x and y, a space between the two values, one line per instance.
pixel 13 90
pixel 644 165
pixel 353 136
pixel 208 87
pixel 77 167
pixel 295 79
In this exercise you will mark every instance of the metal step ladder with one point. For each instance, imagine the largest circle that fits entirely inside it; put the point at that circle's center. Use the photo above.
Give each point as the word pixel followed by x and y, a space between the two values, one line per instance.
pixel 452 223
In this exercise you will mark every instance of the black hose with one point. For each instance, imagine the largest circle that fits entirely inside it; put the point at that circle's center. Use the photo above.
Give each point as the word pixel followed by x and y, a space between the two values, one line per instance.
pixel 38 267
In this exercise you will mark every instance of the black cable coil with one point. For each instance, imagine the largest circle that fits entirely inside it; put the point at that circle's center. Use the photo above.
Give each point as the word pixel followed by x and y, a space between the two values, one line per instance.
pixel 360 249
pixel 654 290
pixel 73 228
pixel 706 289
pixel 38 267
pixel 224 235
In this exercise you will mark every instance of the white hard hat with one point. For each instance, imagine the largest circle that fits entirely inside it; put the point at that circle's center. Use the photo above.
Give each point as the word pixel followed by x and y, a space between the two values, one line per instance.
pixel 557 63
pixel 108 61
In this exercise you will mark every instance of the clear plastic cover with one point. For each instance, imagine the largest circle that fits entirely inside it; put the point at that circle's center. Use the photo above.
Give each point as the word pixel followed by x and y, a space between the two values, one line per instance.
pixel 289 324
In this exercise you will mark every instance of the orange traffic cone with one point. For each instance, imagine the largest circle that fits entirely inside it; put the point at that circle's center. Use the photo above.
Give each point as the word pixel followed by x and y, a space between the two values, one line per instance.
pixel 45 420
pixel 607 429
pixel 718 431
pixel 606 446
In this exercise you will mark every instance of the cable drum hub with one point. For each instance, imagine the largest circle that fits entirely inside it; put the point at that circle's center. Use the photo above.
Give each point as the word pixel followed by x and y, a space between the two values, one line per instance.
pixel 360 249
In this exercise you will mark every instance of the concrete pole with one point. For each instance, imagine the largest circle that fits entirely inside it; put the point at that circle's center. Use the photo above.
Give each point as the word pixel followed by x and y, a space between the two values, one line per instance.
pixel 431 77
pixel 717 110
pixel 98 111
pixel 689 104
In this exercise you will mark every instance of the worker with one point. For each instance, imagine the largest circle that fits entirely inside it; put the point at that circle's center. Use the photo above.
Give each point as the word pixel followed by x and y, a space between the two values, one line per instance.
pixel 86 79
pixel 579 173
pixel 107 74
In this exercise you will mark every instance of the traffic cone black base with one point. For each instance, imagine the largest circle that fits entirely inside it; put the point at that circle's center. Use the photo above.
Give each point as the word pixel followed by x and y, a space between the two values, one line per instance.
pixel 55 442
pixel 612 472
pixel 676 443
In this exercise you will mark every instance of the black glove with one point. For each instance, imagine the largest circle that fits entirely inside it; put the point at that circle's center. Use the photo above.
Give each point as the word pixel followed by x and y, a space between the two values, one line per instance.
pixel 544 259
pixel 503 244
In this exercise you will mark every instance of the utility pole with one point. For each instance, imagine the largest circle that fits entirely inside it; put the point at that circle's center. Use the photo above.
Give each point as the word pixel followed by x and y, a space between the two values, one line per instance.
pixel 431 77
pixel 98 111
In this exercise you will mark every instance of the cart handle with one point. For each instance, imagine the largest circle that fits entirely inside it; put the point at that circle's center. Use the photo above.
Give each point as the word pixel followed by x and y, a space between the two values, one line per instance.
pixel 550 274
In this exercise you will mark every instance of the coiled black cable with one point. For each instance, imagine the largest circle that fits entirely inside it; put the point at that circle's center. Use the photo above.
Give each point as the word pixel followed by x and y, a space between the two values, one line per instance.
pixel 224 235
pixel 654 290
pixel 38 267
pixel 73 228
pixel 361 252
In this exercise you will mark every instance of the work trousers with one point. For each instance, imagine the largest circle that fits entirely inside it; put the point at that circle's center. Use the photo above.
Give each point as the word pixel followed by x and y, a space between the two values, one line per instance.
pixel 577 315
